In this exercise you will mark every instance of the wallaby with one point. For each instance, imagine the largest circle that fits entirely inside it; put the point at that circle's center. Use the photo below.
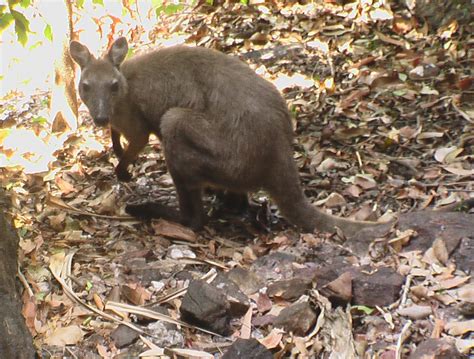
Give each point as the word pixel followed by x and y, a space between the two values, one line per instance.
pixel 219 123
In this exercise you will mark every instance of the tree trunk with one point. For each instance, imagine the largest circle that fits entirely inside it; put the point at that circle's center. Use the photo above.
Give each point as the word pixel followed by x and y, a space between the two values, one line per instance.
pixel 64 106
pixel 15 339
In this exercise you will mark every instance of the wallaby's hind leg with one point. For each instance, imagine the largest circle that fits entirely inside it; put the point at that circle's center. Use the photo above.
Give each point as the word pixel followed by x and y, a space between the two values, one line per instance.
pixel 189 145
pixel 233 202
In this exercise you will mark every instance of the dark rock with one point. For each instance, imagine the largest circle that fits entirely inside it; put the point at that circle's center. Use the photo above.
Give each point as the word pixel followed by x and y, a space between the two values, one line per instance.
pixel 382 287
pixel 298 318
pixel 264 320
pixel 463 255
pixel 249 282
pixel 124 336
pixel 466 309
pixel 206 306
pixel 429 225
pixel 290 289
pixel 239 303
pixel 436 349
pixel 246 349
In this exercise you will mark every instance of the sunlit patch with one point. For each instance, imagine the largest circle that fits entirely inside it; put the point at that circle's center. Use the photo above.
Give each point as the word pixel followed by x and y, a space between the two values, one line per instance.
pixel 24 148
pixel 296 80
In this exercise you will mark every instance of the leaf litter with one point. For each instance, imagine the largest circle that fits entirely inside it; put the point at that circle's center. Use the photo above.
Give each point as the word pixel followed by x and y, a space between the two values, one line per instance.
pixel 383 119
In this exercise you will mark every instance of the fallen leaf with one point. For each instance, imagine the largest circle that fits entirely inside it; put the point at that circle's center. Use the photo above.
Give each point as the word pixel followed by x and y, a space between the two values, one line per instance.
pixel 415 311
pixel 63 336
pixel 173 230
pixel 273 339
pixel 459 328
pixel 452 283
pixel 440 251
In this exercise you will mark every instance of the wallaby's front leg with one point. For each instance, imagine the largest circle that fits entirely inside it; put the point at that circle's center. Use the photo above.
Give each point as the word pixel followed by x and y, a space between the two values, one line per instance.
pixel 135 146
pixel 116 145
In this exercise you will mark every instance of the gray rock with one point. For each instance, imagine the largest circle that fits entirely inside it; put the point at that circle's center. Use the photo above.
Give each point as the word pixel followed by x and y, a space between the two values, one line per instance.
pixel 436 349
pixel 290 289
pixel 382 287
pixel 298 318
pixel 246 349
pixel 249 282
pixel 123 336
pixel 206 306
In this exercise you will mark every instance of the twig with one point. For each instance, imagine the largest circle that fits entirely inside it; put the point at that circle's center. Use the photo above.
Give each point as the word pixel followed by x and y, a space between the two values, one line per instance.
pixel 406 288
pixel 402 338
pixel 59 203
pixel 24 282
pixel 462 113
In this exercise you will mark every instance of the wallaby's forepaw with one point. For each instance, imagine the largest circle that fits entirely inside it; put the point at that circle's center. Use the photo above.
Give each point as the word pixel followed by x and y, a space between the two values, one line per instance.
pixel 123 175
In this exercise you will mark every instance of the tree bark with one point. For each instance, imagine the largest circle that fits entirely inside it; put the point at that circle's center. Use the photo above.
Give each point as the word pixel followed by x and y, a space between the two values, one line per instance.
pixel 15 339
pixel 64 106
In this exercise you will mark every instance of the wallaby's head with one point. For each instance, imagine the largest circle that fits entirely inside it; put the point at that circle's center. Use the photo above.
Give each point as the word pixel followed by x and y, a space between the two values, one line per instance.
pixel 101 85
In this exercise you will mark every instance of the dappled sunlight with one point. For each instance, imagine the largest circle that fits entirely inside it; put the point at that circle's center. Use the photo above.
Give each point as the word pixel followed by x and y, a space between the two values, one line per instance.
pixel 284 81
pixel 24 148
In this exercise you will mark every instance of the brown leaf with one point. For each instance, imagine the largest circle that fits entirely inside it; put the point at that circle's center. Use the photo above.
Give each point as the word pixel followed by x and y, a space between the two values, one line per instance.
pixel 136 294
pixel 64 185
pixel 459 328
pixel 273 339
pixel 452 283
pixel 173 230
pixel 440 251
pixel 264 303
pixel 65 336
pixel 415 311
pixel 341 287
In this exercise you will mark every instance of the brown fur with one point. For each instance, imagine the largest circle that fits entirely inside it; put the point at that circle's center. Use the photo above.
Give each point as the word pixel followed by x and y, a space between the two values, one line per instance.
pixel 220 125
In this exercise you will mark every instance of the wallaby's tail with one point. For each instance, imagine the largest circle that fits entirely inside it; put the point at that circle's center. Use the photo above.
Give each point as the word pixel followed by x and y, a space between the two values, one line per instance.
pixel 295 207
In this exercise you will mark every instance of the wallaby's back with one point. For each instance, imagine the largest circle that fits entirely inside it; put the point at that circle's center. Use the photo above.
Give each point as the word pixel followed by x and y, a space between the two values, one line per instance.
pixel 247 111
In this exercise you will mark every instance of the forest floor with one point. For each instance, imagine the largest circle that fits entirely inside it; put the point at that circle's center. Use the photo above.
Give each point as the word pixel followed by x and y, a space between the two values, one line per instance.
pixel 384 123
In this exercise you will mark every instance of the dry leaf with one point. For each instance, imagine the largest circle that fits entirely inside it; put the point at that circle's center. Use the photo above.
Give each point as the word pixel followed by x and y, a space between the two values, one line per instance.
pixel 65 336
pixel 173 230
pixel 273 339
pixel 459 328
pixel 415 311
pixel 452 283
pixel 440 251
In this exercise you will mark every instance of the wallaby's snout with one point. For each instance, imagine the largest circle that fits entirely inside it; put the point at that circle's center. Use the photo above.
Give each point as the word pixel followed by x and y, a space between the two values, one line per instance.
pixel 102 85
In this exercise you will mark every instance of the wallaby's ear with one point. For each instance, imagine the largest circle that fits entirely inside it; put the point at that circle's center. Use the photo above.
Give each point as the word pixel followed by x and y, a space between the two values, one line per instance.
pixel 118 51
pixel 79 53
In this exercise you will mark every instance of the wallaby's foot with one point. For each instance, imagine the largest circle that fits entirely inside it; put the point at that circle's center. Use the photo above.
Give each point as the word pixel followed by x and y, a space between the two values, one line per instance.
pixel 232 202
pixel 122 174
pixel 150 210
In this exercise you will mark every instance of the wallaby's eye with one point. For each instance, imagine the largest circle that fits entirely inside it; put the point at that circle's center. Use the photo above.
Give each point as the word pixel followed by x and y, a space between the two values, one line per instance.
pixel 114 86
pixel 86 87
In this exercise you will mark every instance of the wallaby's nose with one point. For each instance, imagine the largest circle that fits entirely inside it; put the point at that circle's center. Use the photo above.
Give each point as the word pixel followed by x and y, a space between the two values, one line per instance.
pixel 101 120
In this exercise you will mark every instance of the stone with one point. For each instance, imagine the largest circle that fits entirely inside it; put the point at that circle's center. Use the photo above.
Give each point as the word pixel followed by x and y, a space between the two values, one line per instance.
pixel 275 266
pixel 382 287
pixel 123 336
pixel 290 289
pixel 436 349
pixel 247 348
pixel 463 255
pixel 239 302
pixel 249 282
pixel 208 307
pixel 298 318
